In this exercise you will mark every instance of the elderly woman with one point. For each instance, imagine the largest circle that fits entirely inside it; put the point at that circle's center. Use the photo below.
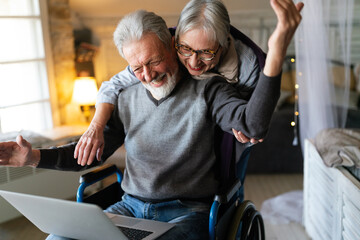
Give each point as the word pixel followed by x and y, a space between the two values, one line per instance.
pixel 206 48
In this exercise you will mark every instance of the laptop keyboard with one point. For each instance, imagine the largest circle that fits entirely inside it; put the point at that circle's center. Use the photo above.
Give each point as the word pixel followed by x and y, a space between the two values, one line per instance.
pixel 134 234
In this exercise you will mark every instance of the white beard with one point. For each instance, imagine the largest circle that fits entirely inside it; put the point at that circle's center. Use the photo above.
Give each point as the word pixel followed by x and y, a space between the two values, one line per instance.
pixel 163 91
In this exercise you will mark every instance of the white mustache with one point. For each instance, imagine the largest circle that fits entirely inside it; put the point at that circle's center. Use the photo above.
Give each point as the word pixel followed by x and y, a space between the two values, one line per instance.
pixel 158 78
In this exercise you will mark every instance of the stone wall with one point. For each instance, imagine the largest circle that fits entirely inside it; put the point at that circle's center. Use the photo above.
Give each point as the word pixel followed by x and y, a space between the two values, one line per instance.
pixel 62 43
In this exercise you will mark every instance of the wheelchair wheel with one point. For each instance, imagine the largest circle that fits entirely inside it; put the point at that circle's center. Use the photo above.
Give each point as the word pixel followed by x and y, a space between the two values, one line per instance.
pixel 247 223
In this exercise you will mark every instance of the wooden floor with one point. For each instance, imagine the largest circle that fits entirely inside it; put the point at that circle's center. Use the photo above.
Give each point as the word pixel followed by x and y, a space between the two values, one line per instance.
pixel 258 188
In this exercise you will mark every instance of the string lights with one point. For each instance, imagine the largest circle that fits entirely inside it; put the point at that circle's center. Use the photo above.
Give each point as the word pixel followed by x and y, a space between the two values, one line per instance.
pixel 295 121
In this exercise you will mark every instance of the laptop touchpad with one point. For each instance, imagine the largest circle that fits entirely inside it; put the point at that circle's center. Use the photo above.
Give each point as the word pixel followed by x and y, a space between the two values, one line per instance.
pixel 123 220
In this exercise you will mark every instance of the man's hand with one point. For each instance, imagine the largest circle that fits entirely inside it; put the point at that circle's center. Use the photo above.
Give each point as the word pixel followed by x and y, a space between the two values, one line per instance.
pixel 91 144
pixel 244 139
pixel 288 19
pixel 18 154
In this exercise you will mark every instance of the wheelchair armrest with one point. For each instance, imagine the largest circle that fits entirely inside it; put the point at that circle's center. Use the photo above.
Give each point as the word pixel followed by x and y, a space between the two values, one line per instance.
pixel 99 174
pixel 96 176
pixel 224 198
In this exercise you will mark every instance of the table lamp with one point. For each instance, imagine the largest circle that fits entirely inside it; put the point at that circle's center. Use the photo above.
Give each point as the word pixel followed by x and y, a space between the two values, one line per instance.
pixel 85 91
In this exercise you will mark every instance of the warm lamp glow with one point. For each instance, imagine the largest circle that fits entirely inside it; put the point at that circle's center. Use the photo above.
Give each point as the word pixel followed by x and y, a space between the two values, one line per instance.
pixel 85 91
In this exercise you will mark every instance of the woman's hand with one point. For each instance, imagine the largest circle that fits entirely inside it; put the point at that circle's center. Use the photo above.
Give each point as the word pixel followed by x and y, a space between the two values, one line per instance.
pixel 91 144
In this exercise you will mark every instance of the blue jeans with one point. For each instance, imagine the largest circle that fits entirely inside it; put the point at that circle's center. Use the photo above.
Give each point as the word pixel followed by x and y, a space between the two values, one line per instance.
pixel 191 218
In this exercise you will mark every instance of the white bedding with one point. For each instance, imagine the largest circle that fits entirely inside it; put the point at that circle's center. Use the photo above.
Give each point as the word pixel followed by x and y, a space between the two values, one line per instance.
pixel 339 147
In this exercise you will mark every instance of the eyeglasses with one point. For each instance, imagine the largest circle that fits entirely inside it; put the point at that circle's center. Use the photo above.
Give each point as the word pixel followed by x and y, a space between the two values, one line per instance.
pixel 206 55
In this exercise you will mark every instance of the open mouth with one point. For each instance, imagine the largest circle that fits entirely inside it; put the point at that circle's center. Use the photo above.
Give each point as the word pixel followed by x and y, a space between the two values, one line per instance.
pixel 158 81
pixel 195 68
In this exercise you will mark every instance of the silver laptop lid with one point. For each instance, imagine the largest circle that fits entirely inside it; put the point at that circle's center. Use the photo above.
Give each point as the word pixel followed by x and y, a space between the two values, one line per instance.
pixel 64 218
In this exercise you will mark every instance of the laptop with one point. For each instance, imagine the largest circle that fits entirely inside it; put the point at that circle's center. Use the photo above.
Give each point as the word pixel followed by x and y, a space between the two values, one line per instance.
pixel 82 220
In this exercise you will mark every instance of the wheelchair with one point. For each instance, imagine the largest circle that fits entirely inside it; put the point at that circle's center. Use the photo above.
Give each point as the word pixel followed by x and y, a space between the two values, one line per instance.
pixel 230 218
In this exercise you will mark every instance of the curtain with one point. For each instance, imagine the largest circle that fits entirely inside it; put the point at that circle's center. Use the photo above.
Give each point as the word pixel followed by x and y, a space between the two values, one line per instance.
pixel 323 48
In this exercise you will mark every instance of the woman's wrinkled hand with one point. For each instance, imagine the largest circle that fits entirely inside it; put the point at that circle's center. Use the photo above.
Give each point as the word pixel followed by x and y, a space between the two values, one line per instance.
pixel 90 144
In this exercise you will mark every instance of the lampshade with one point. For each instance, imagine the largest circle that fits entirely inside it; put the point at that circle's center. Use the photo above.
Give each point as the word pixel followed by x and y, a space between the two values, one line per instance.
pixel 85 91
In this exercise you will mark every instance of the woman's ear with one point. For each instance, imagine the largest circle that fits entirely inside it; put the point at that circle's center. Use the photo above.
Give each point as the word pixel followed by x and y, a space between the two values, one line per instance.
pixel 173 49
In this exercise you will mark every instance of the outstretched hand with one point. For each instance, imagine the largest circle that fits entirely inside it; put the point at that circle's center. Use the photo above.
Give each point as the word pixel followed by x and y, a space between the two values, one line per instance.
pixel 288 19
pixel 91 144
pixel 18 154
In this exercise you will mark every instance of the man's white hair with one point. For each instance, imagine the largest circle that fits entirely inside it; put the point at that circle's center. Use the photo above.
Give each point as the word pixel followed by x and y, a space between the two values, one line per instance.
pixel 134 25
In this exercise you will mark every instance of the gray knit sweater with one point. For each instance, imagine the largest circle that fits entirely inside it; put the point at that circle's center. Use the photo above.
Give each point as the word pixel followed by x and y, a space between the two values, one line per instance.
pixel 170 143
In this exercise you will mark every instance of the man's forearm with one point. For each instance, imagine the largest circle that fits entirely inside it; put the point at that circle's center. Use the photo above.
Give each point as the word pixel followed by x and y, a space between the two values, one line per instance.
pixel 61 158
pixel 35 158
pixel 273 63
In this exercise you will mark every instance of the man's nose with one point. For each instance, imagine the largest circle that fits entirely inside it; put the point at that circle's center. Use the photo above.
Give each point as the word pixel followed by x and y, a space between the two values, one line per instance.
pixel 147 74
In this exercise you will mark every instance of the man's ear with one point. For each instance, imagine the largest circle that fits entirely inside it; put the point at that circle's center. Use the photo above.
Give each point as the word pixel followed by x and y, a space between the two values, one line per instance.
pixel 173 41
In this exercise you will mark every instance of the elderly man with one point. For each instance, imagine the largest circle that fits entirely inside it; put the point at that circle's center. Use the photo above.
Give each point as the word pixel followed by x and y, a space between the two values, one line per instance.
pixel 167 124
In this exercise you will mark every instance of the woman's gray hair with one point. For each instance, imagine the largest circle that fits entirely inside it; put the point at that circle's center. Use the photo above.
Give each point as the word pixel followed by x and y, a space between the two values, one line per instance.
pixel 209 15
pixel 133 26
